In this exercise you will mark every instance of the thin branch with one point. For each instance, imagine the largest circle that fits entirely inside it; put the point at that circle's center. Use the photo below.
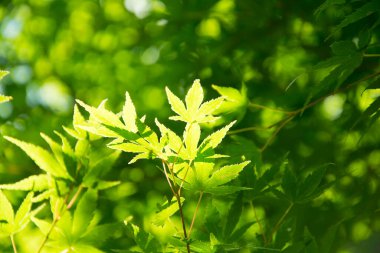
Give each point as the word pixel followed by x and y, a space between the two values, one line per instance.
pixel 183 222
pixel 280 221
pixel 195 212
pixel 294 113
pixel 75 197
pixel 183 180
pixel 13 243
pixel 263 107
pixel 168 179
pixel 59 213
pixel 269 141
pixel 247 129
pixel 371 55
pixel 259 223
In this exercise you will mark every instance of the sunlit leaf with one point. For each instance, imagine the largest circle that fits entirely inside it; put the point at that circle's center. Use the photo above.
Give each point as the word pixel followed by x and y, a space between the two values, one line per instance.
pixel 84 212
pixel 42 158
pixel 129 114
pixel 33 183
pixel 6 210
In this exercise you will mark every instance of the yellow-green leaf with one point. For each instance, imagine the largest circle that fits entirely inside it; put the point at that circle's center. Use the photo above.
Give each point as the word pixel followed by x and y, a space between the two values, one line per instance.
pixel 194 97
pixel 32 183
pixel 6 210
pixel 129 114
pixel 191 137
pixel 226 174
pixel 23 213
pixel 42 158
pixel 4 99
pixel 3 73
pixel 176 104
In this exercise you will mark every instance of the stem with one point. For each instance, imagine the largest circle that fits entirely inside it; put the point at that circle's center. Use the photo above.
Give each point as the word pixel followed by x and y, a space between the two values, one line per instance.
pixel 269 141
pixel 168 179
pixel 13 243
pixel 294 113
pixel 259 223
pixel 371 55
pixel 246 129
pixel 59 213
pixel 75 197
pixel 183 180
pixel 183 222
pixel 267 108
pixel 178 198
pixel 195 213
pixel 278 224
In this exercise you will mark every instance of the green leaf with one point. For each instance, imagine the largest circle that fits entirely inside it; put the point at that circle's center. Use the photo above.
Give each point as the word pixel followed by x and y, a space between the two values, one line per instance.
pixel 129 114
pixel 174 141
pixel 194 111
pixel 233 215
pixel 226 174
pixel 311 182
pixel 176 104
pixel 162 216
pixel 102 115
pixel 191 137
pixel 225 189
pixel 128 147
pixel 6 210
pixel 32 183
pixel 216 138
pixel 42 158
pixel 194 97
pixel 78 120
pixel 328 238
pixel 3 73
pixel 83 248
pixel 289 184
pixel 235 102
pixel 343 47
pixel 240 231
pixel 84 213
pixel 326 5
pixel 4 99
pixel 45 227
pixel 66 146
pixel 146 241
pixel 23 214
pixel 99 234
pixel 364 11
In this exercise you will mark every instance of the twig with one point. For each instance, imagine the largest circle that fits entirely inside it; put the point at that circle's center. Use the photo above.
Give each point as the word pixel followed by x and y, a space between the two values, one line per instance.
pixel 59 213
pixel 371 55
pixel 195 213
pixel 269 141
pixel 13 243
pixel 168 179
pixel 250 104
pixel 294 113
pixel 278 224
pixel 178 198
pixel 183 222
pixel 259 223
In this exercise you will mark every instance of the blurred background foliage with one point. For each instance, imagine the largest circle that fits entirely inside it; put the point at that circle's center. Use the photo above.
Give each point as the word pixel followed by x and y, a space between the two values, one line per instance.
pixel 58 50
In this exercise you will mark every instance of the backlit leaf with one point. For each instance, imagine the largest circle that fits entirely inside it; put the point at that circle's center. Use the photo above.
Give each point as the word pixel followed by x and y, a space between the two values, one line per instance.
pixel 23 213
pixel 42 158
pixel 129 114
pixel 6 210
pixel 226 174
pixel 194 97
pixel 32 183
pixel 84 212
